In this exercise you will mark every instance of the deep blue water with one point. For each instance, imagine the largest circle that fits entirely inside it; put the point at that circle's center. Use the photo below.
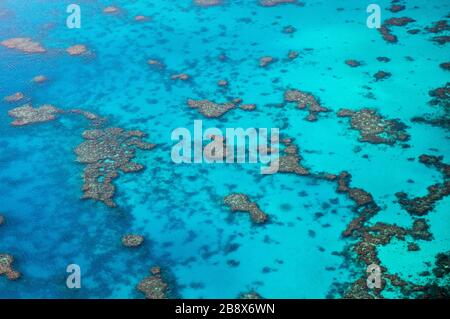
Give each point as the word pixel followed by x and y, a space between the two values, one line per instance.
pixel 178 208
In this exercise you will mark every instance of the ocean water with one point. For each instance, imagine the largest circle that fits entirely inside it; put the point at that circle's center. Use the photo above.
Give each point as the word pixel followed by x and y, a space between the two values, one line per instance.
pixel 206 250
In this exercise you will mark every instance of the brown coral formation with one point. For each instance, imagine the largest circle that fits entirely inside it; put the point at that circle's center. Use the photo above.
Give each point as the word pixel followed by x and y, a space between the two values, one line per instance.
pixel 77 49
pixel 241 203
pixel 421 206
pixel 385 29
pixel 365 206
pixel 443 121
pixel 442 268
pixel 441 40
pixel 26 45
pixel 181 76
pixel 353 63
pixel 381 75
pixel 210 109
pixel 375 129
pixel 289 161
pixel 132 240
pixel 396 8
pixel 438 27
pixel 208 3
pixel 141 18
pixel 441 96
pixel 154 286
pixel 366 251
pixel 265 61
pixel 111 10
pixel 2 220
pixel 39 79
pixel 369 237
pixel 358 290
pixel 106 152
pixel 14 97
pixel 305 100
pixel 445 66
pixel 156 64
pixel 27 114
pixel 222 83
pixel 292 55
pixel 289 29
pixel 6 267
pixel 273 3
pixel 247 107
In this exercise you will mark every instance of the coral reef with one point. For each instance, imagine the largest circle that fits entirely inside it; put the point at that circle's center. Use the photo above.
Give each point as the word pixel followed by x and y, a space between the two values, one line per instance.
pixel 222 83
pixel 241 203
pixel 111 10
pixel 438 27
pixel 39 79
pixel 441 96
pixel 292 55
pixel 247 107
pixel 6 267
pixel 375 129
pixel 141 18
pixel 441 40
pixel 265 61
pixel 398 22
pixel 27 114
pixel 77 49
pixel 421 206
pixel 396 8
pixel 181 76
pixel 353 63
pixel 156 63
pixel 305 100
pixel 442 268
pixel 381 75
pixel 289 161
pixel 14 97
pixel 26 45
pixel 445 66
pixel 208 3
pixel 272 3
pixel 210 109
pixel 132 240
pixel 443 121
pixel 154 286
pixel 106 152
pixel 289 29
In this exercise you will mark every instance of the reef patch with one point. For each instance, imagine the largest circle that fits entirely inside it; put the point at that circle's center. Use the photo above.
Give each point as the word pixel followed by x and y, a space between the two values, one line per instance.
pixel 27 114
pixel 373 128
pixel 132 240
pixel 242 203
pixel 154 286
pixel 305 100
pixel 6 267
pixel 26 45
pixel 106 152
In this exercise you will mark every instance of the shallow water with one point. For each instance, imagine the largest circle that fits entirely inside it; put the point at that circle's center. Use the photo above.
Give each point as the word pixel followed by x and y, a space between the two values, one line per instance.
pixel 178 208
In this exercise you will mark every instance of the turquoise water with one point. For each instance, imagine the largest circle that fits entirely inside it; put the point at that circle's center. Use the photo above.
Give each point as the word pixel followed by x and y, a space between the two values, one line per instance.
pixel 178 208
